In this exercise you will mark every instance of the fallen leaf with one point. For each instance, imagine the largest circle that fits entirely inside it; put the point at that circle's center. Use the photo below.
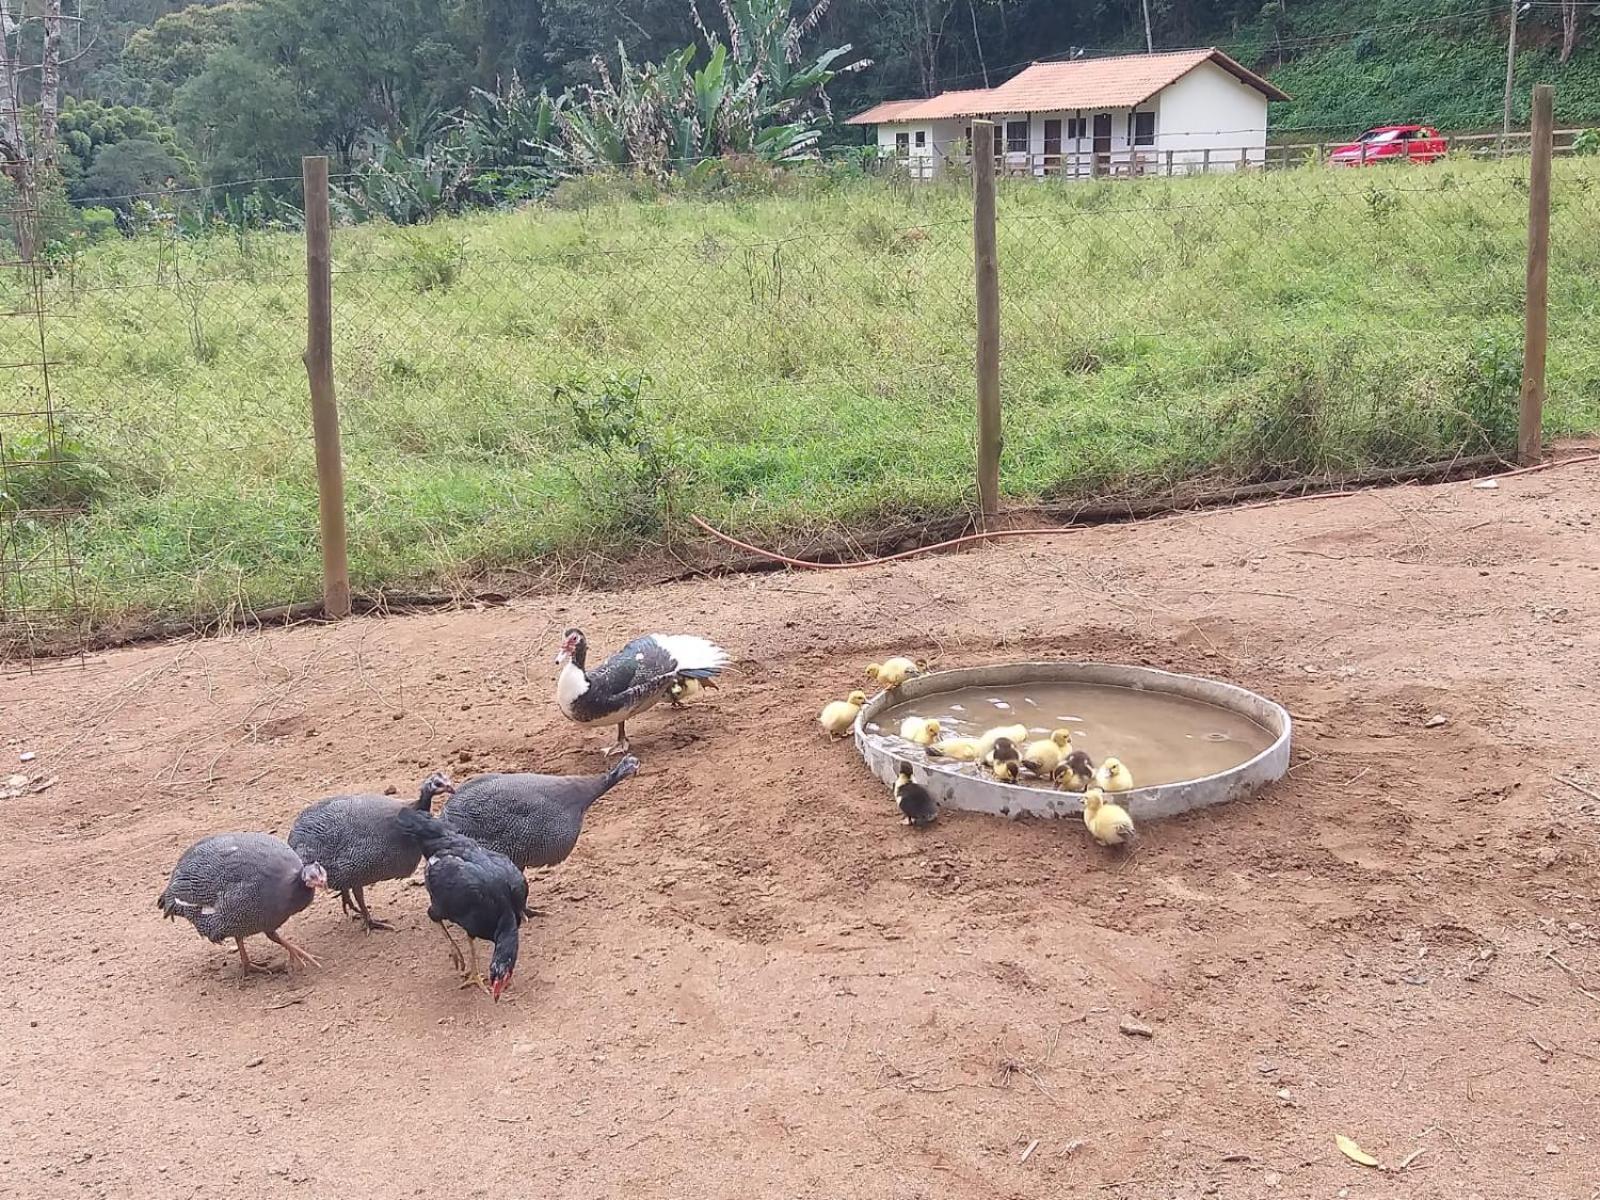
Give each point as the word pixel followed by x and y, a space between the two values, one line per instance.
pixel 1354 1152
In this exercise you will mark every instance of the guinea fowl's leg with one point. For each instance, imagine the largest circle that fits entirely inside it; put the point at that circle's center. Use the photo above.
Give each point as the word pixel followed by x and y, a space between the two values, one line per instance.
pixel 474 977
pixel 344 903
pixel 297 956
pixel 456 960
pixel 249 963
pixel 371 921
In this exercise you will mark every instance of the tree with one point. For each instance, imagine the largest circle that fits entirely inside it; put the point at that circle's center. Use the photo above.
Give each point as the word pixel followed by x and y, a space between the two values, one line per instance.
pixel 247 118
pixel 1571 14
pixel 160 59
pixel 27 155
pixel 129 169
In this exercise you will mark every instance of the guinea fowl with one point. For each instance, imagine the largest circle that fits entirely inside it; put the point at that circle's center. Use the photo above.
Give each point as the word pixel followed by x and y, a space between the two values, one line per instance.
pixel 231 885
pixel 534 820
pixel 631 680
pixel 477 889
pixel 357 841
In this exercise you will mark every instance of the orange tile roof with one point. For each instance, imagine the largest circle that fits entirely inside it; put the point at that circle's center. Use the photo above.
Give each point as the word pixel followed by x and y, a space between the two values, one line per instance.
pixel 1125 81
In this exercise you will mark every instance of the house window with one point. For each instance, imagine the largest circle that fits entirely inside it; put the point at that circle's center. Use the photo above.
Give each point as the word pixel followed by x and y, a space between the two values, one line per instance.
pixel 1052 138
pixel 902 144
pixel 1077 129
pixel 922 138
pixel 1144 129
pixel 1016 137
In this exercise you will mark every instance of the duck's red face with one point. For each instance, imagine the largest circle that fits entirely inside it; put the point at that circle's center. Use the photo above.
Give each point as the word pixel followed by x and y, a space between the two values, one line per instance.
pixel 569 647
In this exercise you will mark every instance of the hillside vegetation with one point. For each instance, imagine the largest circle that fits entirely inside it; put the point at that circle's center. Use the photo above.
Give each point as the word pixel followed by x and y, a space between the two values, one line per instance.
pixel 573 379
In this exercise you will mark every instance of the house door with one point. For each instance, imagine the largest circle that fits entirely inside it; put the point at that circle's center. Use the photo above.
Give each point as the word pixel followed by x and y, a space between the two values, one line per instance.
pixel 1102 143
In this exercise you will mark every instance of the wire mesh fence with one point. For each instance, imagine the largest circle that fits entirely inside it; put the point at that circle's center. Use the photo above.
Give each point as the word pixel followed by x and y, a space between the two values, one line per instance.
pixel 788 354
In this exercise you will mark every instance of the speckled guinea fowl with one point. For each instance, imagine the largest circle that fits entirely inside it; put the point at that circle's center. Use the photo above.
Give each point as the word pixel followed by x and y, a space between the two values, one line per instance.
pixel 478 889
pixel 231 885
pixel 358 842
pixel 632 680
pixel 534 820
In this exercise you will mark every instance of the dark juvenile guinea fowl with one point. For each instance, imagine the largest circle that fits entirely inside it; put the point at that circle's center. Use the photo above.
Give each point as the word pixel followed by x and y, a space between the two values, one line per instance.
pixel 631 680
pixel 534 820
pixel 357 841
pixel 231 885
pixel 478 889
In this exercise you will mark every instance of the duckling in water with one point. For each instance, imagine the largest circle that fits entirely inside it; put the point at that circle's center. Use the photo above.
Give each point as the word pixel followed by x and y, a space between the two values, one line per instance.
pixel 960 749
pixel 892 672
pixel 1107 822
pixel 1076 773
pixel 1004 759
pixel 1044 756
pixel 838 717
pixel 1113 776
pixel 916 804
pixel 1015 733
pixel 920 731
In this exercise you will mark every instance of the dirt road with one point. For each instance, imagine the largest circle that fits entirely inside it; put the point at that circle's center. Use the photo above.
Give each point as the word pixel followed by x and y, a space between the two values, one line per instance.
pixel 751 981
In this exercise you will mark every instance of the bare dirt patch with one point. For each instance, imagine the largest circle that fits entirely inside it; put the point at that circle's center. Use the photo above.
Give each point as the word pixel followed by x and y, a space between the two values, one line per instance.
pixel 750 980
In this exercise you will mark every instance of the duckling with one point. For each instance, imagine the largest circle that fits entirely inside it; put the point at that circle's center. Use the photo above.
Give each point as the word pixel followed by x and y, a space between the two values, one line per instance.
pixel 1016 733
pixel 922 732
pixel 1044 756
pixel 1107 822
pixel 892 672
pixel 683 689
pixel 960 749
pixel 916 804
pixel 1076 773
pixel 841 714
pixel 1113 776
pixel 1004 759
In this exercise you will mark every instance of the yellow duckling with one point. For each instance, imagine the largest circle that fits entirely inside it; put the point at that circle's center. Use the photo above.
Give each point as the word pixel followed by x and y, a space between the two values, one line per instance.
pixel 922 732
pixel 892 672
pixel 1076 773
pixel 1016 733
pixel 1107 822
pixel 1044 756
pixel 960 749
pixel 1004 760
pixel 838 717
pixel 1113 776
pixel 687 689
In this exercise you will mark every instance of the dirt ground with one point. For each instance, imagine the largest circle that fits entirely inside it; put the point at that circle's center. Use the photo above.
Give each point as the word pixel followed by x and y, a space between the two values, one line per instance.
pixel 750 980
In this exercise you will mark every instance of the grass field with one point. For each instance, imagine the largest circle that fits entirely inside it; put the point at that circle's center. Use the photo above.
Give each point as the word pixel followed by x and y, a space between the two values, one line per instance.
pixel 573 379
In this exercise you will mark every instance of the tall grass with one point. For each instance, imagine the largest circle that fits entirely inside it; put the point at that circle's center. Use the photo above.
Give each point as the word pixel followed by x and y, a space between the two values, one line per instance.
pixel 574 378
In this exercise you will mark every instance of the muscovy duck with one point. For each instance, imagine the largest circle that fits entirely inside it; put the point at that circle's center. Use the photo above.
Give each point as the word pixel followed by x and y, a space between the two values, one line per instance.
pixel 231 885
pixel 357 841
pixel 475 888
pixel 631 680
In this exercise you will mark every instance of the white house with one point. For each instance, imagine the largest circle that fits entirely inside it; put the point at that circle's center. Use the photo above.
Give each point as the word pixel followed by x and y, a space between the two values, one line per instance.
pixel 1170 113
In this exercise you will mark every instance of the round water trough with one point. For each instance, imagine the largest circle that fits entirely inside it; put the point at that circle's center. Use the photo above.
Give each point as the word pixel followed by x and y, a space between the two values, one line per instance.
pixel 967 786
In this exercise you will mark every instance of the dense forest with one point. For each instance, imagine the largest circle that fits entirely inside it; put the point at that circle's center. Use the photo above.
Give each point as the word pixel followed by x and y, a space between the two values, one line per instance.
pixel 447 102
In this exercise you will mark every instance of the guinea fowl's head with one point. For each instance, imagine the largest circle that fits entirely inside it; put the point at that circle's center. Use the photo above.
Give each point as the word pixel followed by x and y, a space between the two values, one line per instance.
pixel 314 876
pixel 500 968
pixel 437 784
pixel 573 648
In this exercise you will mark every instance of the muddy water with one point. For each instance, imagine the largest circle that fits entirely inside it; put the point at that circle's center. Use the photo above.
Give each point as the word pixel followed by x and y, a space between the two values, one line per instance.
pixel 1161 738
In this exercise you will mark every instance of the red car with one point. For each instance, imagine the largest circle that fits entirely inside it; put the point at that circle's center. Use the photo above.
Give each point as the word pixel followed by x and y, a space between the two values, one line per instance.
pixel 1391 143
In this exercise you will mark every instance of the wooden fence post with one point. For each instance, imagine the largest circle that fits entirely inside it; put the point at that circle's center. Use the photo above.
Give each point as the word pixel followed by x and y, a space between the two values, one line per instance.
pixel 319 371
pixel 987 270
pixel 1530 440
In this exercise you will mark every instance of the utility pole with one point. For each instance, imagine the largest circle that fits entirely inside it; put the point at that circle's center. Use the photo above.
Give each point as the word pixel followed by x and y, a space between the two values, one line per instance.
pixel 1149 42
pixel 1511 75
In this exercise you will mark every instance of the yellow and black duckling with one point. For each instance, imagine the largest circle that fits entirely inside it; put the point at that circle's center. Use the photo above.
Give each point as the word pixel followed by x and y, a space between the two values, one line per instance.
pixel 1014 733
pixel 892 672
pixel 1004 759
pixel 683 690
pixel 1044 756
pixel 1076 773
pixel 1113 776
pixel 921 731
pixel 1107 822
pixel 916 804
pixel 960 749
pixel 839 716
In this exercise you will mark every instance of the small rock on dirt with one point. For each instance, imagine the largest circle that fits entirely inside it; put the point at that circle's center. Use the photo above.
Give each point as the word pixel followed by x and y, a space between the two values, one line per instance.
pixel 1135 1028
pixel 255 1062
pixel 1435 721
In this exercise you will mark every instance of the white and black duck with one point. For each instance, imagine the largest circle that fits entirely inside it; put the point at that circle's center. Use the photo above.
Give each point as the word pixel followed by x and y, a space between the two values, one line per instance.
pixel 631 680
pixel 358 842
pixel 231 885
